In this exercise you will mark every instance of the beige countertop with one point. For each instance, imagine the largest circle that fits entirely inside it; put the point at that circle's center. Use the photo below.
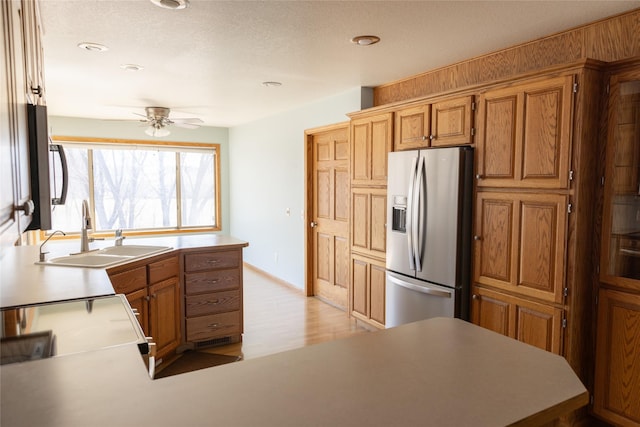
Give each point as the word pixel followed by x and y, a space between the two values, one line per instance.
pixel 439 372
pixel 24 283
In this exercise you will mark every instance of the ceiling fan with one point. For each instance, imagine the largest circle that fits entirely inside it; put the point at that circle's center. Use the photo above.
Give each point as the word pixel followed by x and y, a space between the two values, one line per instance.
pixel 158 119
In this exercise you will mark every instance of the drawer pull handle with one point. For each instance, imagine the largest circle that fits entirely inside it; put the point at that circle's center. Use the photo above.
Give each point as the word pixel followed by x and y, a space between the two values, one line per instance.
pixel 212 281
pixel 213 325
pixel 212 261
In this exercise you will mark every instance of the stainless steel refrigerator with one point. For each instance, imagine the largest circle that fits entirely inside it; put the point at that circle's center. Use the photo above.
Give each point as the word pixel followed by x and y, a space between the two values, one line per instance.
pixel 429 195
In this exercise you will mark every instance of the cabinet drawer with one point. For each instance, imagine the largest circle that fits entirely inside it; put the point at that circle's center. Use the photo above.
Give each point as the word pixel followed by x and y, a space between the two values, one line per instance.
pixel 163 269
pixel 214 326
pixel 211 281
pixel 219 302
pixel 129 281
pixel 211 260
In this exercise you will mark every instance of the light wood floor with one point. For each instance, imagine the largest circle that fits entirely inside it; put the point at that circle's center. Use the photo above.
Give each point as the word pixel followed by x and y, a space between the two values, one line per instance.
pixel 278 317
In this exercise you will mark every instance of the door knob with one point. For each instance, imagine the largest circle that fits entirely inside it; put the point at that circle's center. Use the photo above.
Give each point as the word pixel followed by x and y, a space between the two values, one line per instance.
pixel 313 224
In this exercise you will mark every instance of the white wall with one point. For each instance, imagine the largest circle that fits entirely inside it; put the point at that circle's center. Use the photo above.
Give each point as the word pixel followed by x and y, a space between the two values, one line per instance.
pixel 73 126
pixel 266 167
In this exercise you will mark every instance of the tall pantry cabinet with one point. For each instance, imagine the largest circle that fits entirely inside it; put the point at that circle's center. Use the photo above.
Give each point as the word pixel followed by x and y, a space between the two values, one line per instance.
pixel 536 149
pixel 617 350
pixel 371 141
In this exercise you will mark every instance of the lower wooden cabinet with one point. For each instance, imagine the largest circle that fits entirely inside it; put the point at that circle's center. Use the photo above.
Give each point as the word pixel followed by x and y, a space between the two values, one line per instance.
pixel 213 297
pixel 616 394
pixel 368 290
pixel 528 321
pixel 153 290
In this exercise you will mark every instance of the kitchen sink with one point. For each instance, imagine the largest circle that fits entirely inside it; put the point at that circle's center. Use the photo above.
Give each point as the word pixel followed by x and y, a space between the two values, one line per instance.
pixel 133 250
pixel 105 257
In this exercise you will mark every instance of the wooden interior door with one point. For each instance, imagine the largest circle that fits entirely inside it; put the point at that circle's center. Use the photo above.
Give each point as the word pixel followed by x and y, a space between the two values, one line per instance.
pixel 329 253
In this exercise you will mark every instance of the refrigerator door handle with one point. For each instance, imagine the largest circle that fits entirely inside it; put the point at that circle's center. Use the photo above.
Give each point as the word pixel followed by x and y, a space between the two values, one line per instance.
pixel 409 224
pixel 421 289
pixel 415 212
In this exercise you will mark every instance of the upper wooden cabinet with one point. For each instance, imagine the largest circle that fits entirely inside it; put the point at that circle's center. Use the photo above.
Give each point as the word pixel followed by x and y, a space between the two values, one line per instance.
pixel 370 143
pixel 448 122
pixel 620 261
pixel 524 134
pixel 520 243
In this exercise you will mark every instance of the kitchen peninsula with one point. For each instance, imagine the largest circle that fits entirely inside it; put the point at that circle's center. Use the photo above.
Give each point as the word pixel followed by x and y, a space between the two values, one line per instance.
pixel 440 372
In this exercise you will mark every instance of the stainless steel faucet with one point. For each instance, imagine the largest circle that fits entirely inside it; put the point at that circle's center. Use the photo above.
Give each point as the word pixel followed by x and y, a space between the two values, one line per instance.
pixel 42 254
pixel 119 237
pixel 86 226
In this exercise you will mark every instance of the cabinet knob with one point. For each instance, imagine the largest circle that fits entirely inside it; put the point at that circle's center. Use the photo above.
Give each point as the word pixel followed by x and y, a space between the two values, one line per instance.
pixel 432 137
pixel 478 176
pixel 313 224
pixel 27 207
pixel 474 296
pixel 477 238
pixel 424 137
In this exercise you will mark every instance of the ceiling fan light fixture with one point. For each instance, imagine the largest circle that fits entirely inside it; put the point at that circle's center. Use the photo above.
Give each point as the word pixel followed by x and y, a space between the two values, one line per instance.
pixel 92 47
pixel 171 4
pixel 157 131
pixel 365 40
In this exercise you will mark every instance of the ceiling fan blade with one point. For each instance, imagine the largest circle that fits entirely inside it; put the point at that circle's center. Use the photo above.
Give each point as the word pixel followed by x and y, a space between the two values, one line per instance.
pixel 189 120
pixel 186 125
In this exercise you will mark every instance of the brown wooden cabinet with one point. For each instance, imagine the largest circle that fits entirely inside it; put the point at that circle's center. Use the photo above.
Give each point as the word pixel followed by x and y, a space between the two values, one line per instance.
pixel 368 290
pixel 617 356
pixel 519 243
pixel 617 377
pixel 213 296
pixel 368 228
pixel 434 124
pixel 152 288
pixel 524 134
pixel 370 143
pixel 530 322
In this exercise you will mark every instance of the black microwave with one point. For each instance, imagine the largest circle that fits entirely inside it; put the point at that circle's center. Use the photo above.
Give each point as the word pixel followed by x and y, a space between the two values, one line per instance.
pixel 40 150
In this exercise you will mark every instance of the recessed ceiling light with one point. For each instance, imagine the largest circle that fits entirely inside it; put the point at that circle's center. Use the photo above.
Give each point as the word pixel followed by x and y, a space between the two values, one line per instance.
pixel 171 4
pixel 365 40
pixel 132 67
pixel 271 84
pixel 93 47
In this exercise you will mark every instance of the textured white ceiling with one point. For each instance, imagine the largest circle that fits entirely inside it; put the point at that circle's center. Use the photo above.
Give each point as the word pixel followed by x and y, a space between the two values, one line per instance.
pixel 209 60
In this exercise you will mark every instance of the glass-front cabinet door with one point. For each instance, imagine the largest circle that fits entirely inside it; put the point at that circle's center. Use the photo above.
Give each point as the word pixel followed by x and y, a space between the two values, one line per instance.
pixel 620 261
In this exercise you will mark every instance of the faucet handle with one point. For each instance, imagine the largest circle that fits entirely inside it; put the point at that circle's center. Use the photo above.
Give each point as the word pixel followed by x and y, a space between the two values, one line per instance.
pixel 119 232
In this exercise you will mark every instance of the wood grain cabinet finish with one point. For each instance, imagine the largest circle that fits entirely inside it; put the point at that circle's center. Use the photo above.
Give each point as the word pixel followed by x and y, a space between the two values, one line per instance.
pixel 368 290
pixel 153 289
pixel 519 243
pixel 617 377
pixel 371 139
pixel 368 230
pixel 213 297
pixel 617 359
pixel 434 124
pixel 524 134
pixel 533 323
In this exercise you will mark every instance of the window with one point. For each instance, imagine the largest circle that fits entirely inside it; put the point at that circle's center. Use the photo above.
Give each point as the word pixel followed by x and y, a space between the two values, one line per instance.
pixel 140 185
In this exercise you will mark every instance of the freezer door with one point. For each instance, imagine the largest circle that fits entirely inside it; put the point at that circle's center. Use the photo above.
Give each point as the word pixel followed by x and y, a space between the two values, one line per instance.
pixel 410 300
pixel 439 215
pixel 402 166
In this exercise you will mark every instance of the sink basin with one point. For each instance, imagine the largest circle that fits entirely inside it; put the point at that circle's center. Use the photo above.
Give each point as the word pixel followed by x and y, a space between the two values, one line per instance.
pixel 105 257
pixel 133 250
pixel 86 260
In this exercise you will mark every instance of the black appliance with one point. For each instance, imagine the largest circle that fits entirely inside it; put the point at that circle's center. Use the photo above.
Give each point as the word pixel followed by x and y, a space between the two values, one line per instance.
pixel 39 152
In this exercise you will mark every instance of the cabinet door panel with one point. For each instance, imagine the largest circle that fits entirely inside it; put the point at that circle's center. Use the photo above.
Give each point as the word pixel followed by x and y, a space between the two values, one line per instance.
pixel 218 302
pixel 381 138
pixel 165 314
pixel 377 275
pixel 359 294
pixel 520 243
pixel 451 122
pixel 360 155
pixel 129 281
pixel 412 127
pixel 524 134
pixel 528 321
pixel 209 281
pixel 368 225
pixel 163 269
pixel 212 260
pixel 371 139
pixel 617 376
pixel 138 301
pixel 204 328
